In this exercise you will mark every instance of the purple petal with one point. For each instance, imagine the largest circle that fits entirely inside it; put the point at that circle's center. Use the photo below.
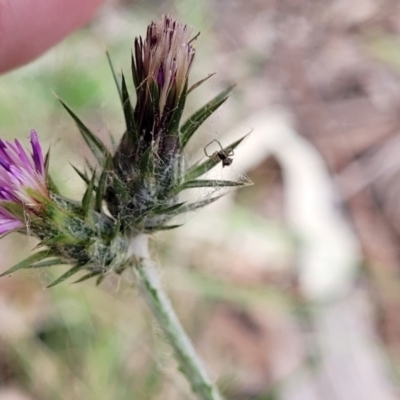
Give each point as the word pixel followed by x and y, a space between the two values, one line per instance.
pixel 22 155
pixel 3 151
pixel 160 76
pixel 8 225
pixel 37 152
pixel 6 195
pixel 19 172
pixel 9 222
pixel 4 164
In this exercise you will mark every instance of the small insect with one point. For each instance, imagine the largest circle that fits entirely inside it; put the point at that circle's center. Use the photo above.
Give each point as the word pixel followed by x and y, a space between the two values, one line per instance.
pixel 222 155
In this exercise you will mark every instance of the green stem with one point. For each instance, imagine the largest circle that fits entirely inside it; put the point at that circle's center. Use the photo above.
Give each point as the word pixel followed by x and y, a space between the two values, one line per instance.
pixel 163 311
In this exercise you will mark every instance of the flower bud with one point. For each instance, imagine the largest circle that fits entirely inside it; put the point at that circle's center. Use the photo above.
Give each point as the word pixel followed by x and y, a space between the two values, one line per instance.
pixel 147 164
pixel 160 72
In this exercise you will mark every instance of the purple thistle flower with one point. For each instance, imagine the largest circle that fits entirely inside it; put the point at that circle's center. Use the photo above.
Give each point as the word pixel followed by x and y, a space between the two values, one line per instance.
pixel 9 222
pixel 20 174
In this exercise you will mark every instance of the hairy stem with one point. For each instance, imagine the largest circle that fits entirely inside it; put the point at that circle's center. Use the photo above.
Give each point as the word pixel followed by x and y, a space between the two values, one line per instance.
pixel 163 311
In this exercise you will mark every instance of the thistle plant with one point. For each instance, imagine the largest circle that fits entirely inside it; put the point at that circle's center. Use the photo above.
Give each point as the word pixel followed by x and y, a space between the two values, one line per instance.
pixel 130 193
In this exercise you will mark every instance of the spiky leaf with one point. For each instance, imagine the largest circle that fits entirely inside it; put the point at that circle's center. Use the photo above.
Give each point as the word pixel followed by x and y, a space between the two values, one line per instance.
pixel 96 146
pixel 49 181
pixel 114 144
pixel 48 263
pixel 100 279
pixel 51 185
pixel 81 174
pixel 89 166
pixel 120 188
pixel 177 114
pixel 195 205
pixel 114 74
pixel 147 162
pixel 200 82
pixel 87 197
pixel 101 187
pixel 135 76
pixel 88 276
pixel 65 276
pixel 201 183
pixel 128 113
pixel 193 123
pixel 47 161
pixel 166 209
pixel 201 169
pixel 184 208
pixel 27 263
pixel 161 228
pixel 61 239
pixel 67 205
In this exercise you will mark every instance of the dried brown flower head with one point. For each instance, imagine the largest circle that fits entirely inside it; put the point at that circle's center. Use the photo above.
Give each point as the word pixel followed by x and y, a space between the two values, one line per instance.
pixel 160 72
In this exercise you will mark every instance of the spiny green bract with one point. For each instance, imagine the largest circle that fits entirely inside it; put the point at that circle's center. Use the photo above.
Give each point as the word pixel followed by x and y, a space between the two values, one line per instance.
pixel 137 189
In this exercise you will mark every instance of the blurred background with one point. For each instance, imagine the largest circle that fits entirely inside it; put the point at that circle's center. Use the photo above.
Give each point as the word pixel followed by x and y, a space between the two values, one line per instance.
pixel 290 289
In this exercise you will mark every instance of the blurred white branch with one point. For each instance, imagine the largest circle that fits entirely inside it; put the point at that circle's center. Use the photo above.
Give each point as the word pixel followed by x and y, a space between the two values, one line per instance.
pixel 351 366
pixel 328 251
